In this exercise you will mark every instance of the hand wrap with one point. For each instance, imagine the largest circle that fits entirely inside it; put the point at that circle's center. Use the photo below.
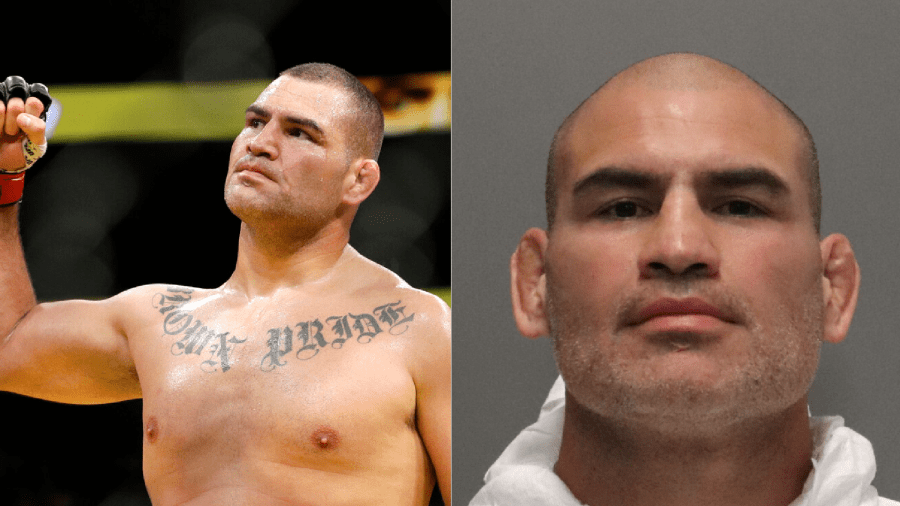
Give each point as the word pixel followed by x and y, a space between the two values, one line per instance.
pixel 13 183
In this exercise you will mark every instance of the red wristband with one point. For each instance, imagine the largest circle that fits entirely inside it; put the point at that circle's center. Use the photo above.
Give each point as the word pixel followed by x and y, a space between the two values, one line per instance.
pixel 11 187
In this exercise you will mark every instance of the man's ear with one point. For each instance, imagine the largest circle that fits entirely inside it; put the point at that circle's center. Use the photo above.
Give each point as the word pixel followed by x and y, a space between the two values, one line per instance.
pixel 361 180
pixel 840 285
pixel 528 284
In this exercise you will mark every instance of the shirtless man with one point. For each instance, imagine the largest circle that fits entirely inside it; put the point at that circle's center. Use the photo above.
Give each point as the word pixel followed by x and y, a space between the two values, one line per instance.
pixel 312 376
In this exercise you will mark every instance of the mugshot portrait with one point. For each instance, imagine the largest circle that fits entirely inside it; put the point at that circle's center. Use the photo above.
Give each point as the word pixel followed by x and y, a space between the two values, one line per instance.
pixel 519 70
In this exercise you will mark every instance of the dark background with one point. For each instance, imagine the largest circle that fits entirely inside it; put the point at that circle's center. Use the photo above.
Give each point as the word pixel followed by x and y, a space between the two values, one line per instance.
pixel 101 217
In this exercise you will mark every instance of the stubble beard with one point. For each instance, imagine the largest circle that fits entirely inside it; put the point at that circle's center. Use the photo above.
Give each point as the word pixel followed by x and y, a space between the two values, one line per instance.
pixel 262 210
pixel 774 372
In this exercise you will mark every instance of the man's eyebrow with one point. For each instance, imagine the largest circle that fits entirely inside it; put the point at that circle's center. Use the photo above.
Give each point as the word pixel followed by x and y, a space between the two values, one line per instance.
pixel 615 177
pixel 263 113
pixel 746 177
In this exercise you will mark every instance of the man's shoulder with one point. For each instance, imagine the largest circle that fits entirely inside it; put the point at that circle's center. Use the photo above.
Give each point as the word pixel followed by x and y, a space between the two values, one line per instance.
pixel 417 317
pixel 380 283
pixel 427 314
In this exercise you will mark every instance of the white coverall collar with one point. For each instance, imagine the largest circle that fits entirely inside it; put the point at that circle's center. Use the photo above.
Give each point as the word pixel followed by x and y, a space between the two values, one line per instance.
pixel 843 465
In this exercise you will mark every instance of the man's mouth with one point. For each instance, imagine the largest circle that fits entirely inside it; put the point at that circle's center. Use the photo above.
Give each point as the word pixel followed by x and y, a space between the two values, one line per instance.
pixel 254 166
pixel 672 307
pixel 674 316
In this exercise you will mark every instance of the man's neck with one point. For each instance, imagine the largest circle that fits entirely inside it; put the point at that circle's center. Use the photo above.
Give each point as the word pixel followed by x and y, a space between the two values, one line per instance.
pixel 270 259
pixel 762 462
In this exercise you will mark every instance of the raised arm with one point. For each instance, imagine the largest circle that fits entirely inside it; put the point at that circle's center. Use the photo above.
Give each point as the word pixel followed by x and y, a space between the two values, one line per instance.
pixel 74 351
pixel 21 143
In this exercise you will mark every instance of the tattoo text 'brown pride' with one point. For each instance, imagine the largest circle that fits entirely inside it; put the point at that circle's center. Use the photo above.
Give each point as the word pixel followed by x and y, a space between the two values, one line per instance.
pixel 303 340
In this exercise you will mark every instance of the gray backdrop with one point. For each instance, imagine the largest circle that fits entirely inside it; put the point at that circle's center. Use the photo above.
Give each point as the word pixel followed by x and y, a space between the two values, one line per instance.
pixel 519 67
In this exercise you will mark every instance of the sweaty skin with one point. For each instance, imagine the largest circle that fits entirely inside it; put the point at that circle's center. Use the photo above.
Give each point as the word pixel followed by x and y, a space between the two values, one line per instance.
pixel 258 401
pixel 313 376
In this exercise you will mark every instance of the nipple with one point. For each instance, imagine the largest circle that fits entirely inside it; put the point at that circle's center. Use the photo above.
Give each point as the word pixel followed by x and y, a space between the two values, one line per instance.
pixel 324 438
pixel 152 429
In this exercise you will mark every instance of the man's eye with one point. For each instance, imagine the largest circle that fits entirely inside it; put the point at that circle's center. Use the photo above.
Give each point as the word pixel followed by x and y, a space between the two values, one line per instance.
pixel 623 210
pixel 740 208
pixel 254 123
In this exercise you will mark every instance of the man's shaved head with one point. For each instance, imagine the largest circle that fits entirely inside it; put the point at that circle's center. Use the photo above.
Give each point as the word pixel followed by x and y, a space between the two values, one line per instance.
pixel 688 72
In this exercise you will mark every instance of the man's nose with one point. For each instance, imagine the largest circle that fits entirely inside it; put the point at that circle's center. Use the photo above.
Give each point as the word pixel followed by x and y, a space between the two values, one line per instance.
pixel 680 242
pixel 264 143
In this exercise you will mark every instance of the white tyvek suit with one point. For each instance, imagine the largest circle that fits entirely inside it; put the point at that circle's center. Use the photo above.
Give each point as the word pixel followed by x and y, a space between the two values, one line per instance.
pixel 843 465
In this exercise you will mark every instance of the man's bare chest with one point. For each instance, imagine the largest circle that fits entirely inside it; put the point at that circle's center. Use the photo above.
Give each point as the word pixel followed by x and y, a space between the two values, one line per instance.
pixel 283 380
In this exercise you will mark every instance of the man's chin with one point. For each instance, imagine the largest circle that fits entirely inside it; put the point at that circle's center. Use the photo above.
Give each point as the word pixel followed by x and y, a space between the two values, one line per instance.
pixel 247 203
pixel 682 402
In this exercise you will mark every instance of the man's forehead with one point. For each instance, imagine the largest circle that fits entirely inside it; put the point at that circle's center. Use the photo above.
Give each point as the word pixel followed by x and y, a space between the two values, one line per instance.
pixel 289 95
pixel 679 123
pixel 628 99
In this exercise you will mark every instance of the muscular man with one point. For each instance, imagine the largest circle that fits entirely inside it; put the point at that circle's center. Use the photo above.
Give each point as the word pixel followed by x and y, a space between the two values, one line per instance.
pixel 687 292
pixel 312 376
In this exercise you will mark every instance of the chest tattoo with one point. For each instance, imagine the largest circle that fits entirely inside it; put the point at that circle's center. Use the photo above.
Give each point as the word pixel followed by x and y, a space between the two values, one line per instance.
pixel 292 341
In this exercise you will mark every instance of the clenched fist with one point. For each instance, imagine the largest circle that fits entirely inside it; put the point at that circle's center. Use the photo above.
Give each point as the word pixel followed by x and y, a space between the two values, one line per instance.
pixel 23 109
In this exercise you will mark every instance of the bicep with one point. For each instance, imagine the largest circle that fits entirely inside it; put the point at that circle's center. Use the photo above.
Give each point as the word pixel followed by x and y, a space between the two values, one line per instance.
pixel 70 351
